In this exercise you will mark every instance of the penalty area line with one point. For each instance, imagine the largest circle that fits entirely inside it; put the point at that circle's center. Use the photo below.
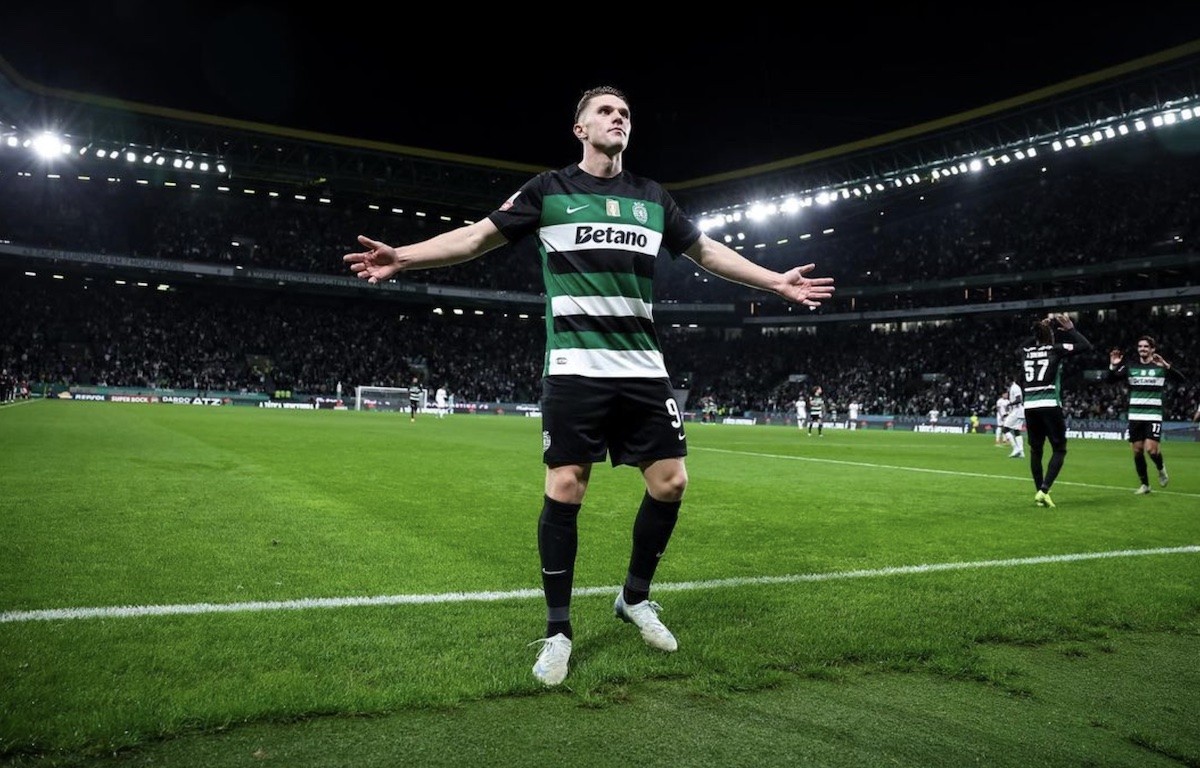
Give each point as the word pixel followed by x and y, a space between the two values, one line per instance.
pixel 131 611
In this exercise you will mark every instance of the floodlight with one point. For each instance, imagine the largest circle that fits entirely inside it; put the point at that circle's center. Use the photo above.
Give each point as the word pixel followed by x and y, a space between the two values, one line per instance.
pixel 47 145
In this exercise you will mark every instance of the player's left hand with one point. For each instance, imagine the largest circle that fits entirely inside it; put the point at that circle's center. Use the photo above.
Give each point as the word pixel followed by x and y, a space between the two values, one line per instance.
pixel 809 291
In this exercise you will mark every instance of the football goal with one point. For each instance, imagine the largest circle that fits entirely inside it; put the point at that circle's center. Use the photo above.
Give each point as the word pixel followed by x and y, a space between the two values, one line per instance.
pixel 384 398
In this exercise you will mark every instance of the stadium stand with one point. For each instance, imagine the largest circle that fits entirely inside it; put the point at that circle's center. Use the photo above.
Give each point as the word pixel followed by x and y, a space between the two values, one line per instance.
pixel 243 287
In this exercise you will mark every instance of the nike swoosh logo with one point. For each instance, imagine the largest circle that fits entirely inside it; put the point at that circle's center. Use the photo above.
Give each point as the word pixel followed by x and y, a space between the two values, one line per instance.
pixel 574 208
pixel 681 436
pixel 554 573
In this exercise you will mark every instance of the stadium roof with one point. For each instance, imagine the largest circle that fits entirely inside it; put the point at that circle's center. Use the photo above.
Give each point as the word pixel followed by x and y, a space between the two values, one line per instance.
pixel 322 162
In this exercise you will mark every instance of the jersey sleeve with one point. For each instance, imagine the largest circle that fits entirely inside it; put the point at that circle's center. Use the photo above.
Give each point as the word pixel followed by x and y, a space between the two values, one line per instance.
pixel 679 232
pixel 521 214
pixel 1076 344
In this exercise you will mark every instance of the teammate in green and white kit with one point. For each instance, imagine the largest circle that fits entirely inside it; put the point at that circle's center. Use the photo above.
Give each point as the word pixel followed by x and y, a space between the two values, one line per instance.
pixel 605 390
pixel 1147 378
pixel 1042 358
pixel 415 391
pixel 816 411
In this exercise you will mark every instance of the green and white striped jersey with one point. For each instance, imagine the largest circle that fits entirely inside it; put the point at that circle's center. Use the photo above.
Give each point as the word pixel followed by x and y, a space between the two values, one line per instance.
pixel 1147 382
pixel 1041 369
pixel 816 406
pixel 598 240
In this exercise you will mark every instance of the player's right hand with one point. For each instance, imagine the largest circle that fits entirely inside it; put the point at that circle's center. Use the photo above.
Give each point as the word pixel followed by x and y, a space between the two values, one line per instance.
pixel 377 263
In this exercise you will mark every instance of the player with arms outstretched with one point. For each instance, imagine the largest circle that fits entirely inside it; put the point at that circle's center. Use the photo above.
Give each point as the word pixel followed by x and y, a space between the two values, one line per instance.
pixel 605 389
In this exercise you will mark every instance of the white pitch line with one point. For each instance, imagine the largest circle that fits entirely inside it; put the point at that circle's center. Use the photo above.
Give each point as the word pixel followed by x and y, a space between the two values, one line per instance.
pixel 129 611
pixel 1024 479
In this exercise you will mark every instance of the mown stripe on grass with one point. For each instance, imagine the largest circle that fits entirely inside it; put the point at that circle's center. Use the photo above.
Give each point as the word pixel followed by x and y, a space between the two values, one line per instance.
pixel 130 611
pixel 927 470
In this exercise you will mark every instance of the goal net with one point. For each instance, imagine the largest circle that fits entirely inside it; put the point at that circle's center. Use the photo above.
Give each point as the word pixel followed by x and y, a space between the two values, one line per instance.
pixel 384 398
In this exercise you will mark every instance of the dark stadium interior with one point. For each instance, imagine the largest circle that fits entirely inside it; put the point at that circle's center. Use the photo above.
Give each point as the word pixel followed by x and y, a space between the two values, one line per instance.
pixel 744 91
pixel 936 282
pixel 253 509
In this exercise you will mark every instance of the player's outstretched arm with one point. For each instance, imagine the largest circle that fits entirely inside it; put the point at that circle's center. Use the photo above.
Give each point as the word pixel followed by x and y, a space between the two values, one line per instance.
pixel 793 285
pixel 381 261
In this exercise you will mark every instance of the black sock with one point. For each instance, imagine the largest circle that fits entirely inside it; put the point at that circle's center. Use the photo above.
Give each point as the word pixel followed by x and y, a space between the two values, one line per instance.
pixel 1035 465
pixel 1057 458
pixel 558 540
pixel 651 531
pixel 1139 463
pixel 559 628
pixel 1158 460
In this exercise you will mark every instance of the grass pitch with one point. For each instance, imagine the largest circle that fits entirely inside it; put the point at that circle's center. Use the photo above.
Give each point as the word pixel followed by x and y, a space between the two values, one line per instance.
pixel 233 586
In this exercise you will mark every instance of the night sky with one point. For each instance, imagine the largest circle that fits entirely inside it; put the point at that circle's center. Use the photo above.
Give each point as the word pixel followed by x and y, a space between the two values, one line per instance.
pixel 708 95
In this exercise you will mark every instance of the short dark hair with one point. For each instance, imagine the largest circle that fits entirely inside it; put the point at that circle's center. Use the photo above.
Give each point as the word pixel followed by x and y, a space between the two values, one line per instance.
pixel 1149 340
pixel 591 93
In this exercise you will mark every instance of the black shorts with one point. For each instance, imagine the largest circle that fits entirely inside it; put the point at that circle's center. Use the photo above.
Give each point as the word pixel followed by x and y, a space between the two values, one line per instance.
pixel 1046 424
pixel 1140 431
pixel 629 420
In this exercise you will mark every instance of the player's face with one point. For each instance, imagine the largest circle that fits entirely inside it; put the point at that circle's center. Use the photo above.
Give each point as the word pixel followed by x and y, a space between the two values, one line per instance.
pixel 605 124
pixel 1145 351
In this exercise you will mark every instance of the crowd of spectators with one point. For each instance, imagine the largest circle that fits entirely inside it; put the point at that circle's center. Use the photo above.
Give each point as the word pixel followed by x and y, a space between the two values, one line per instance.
pixel 1072 210
pixel 1124 200
pixel 230 228
pixel 958 367
pixel 95 332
